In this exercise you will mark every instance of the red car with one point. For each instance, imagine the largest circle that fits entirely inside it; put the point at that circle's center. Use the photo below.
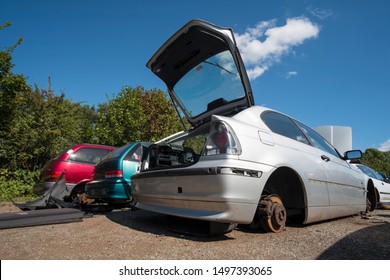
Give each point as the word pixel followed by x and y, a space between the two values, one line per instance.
pixel 78 161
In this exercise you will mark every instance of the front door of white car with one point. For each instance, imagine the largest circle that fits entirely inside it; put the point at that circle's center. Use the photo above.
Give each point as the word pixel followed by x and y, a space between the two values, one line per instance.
pixel 345 184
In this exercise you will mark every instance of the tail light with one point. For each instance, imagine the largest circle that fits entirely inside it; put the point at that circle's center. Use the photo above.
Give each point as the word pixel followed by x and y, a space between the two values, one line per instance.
pixel 222 140
pixel 113 174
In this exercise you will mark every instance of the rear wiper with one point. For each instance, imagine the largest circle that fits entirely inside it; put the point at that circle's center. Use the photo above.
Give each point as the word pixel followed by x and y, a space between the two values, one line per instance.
pixel 219 66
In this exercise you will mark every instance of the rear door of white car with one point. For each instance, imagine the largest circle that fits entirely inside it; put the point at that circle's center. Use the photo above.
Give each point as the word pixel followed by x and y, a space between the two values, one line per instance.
pixel 295 149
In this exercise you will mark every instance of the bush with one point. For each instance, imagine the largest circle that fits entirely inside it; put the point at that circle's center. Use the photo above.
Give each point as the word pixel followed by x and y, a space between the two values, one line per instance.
pixel 17 185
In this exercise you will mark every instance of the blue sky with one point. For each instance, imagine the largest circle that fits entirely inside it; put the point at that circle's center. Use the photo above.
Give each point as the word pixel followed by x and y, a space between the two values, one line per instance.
pixel 321 62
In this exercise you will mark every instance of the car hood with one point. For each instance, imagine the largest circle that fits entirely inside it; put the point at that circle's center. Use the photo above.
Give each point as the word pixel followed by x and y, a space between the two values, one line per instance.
pixel 203 71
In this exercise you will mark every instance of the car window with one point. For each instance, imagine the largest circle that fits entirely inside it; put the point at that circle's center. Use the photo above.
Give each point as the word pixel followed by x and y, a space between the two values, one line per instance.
pixel 366 170
pixel 380 176
pixel 283 125
pixel 88 155
pixel 66 150
pixel 196 143
pixel 135 154
pixel 317 140
pixel 118 152
pixel 214 79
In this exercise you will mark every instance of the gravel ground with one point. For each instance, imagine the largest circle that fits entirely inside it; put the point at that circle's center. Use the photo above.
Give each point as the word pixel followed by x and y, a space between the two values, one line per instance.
pixel 124 234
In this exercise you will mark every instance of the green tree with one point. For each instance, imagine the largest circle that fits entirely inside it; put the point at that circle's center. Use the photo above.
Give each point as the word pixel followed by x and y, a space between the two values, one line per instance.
pixel 42 125
pixel 377 160
pixel 13 183
pixel 161 119
pixel 35 124
pixel 136 114
pixel 10 86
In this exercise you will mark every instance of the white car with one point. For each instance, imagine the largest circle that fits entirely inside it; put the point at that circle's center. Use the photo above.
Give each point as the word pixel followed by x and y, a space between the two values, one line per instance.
pixel 377 186
pixel 238 163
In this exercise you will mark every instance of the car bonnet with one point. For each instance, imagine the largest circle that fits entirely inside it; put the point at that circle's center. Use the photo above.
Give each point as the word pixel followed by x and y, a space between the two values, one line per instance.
pixel 203 71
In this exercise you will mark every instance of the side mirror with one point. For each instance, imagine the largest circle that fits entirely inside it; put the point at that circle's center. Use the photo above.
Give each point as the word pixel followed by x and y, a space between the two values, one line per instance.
pixel 354 154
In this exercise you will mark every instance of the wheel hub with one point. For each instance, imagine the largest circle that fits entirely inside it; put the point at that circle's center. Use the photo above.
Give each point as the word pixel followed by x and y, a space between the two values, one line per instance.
pixel 272 213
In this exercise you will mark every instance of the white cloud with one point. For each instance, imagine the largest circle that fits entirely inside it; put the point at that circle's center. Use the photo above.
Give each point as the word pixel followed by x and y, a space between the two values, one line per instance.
pixel 385 146
pixel 259 55
pixel 291 73
pixel 320 13
pixel 256 71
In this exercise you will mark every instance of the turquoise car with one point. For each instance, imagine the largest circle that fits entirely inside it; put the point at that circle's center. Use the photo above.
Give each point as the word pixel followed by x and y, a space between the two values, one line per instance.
pixel 110 182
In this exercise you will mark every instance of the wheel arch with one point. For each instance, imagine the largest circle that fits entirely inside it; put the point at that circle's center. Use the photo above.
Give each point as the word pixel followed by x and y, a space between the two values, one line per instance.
pixel 289 186
pixel 79 188
pixel 372 195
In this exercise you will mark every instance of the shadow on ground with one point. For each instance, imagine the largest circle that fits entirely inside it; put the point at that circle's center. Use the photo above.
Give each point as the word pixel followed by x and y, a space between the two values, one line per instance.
pixel 160 224
pixel 371 243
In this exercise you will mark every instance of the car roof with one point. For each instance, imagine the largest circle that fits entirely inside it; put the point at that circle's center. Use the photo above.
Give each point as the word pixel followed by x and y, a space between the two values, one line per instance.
pixel 96 146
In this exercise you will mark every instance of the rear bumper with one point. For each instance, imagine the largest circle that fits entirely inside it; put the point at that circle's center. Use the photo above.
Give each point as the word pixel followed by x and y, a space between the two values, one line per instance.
pixel 217 194
pixel 117 189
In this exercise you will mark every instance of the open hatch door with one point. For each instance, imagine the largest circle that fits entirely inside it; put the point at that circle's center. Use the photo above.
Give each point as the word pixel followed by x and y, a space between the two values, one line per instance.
pixel 203 71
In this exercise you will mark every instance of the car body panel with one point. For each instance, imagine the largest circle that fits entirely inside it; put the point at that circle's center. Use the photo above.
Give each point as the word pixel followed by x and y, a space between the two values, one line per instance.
pixel 207 193
pixel 78 161
pixel 345 184
pixel 221 168
pixel 381 186
pixel 197 191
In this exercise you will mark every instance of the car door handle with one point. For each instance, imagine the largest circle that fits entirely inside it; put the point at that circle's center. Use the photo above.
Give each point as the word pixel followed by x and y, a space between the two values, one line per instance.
pixel 325 158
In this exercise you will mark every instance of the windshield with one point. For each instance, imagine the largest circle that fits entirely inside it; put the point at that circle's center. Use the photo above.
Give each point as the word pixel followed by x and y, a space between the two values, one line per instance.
pixel 366 170
pixel 208 85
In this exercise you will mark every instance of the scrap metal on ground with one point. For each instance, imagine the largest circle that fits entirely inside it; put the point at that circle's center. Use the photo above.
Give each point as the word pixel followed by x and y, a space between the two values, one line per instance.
pixel 50 208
